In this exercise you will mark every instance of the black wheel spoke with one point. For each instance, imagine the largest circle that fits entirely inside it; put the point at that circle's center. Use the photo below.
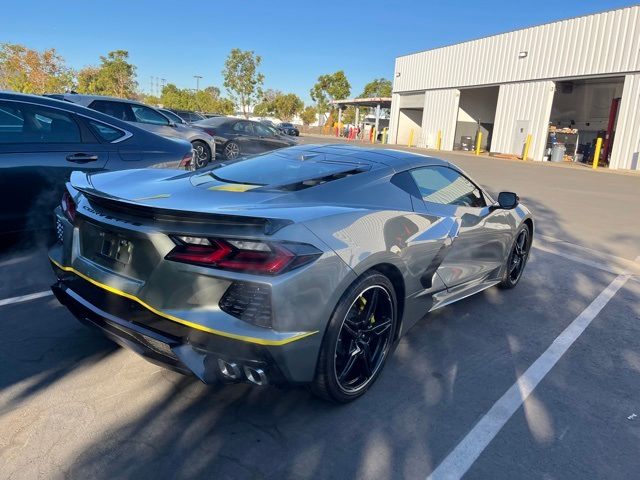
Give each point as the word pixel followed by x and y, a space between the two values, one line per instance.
pixel 380 327
pixel 351 361
pixel 371 305
pixel 367 360
pixel 349 329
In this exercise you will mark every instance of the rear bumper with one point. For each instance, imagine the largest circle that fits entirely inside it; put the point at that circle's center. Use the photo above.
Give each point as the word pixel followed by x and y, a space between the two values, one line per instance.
pixel 209 357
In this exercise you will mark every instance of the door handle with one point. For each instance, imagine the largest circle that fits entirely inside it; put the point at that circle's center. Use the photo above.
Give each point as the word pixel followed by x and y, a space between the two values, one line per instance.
pixel 82 157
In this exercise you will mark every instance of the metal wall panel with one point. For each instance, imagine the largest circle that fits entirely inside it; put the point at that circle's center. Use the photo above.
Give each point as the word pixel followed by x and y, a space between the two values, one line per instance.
pixel 528 102
pixel 599 44
pixel 440 114
pixel 626 143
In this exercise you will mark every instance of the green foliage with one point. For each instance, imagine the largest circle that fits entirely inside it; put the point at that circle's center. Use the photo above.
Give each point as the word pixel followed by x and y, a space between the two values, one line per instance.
pixel 30 71
pixel 280 105
pixel 207 100
pixel 308 115
pixel 115 76
pixel 242 79
pixel 349 114
pixel 380 87
pixel 334 86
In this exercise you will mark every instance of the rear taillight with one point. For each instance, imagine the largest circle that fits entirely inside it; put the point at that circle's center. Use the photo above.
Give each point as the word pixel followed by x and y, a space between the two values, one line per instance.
pixel 210 131
pixel 187 160
pixel 248 256
pixel 68 206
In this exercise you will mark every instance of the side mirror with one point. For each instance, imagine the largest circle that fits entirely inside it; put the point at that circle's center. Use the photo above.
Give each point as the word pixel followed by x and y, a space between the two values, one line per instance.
pixel 508 200
pixel 172 124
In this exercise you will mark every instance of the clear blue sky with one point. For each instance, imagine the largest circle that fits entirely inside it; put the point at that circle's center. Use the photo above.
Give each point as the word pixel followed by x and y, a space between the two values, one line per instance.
pixel 298 40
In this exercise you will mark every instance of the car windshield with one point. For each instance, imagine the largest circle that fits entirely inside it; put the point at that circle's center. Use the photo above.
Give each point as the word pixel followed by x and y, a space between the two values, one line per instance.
pixel 282 167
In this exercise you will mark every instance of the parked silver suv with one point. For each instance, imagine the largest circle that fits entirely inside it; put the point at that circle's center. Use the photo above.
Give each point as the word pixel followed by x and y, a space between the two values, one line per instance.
pixel 150 119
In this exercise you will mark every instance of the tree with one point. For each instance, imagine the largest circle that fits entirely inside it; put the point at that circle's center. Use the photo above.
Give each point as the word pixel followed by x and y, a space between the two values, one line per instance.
pixel 308 115
pixel 207 100
pixel 349 114
pixel 88 81
pixel 334 86
pixel 380 87
pixel 280 105
pixel 114 77
pixel 242 79
pixel 30 71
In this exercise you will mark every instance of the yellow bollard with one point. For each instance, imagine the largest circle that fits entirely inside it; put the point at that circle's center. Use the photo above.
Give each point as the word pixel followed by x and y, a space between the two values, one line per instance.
pixel 439 140
pixel 374 136
pixel 527 144
pixel 385 132
pixel 478 142
pixel 410 138
pixel 596 153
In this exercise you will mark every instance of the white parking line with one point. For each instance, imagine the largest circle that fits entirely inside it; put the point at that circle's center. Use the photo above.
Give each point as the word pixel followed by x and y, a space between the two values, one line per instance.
pixel 25 298
pixel 456 464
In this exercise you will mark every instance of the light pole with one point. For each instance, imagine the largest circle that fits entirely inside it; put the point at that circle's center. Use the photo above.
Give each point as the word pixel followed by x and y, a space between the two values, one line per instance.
pixel 197 77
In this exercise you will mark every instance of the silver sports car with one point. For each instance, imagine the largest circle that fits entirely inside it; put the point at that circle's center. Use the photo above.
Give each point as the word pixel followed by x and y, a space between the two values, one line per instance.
pixel 303 265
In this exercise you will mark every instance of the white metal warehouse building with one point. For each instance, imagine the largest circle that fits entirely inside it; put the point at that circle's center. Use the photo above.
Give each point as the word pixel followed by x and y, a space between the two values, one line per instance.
pixel 579 77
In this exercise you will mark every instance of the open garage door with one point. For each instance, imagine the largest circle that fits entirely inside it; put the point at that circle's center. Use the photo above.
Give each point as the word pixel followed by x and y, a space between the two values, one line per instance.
pixel 476 113
pixel 583 111
pixel 410 116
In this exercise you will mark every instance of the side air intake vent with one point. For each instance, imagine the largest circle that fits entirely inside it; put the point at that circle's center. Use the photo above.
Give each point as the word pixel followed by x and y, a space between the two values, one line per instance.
pixel 250 302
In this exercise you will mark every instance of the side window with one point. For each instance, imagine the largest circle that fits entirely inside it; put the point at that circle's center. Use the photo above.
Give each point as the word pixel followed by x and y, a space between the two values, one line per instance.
pixel 263 131
pixel 30 123
pixel 243 128
pixel 105 132
pixel 148 115
pixel 446 186
pixel 119 110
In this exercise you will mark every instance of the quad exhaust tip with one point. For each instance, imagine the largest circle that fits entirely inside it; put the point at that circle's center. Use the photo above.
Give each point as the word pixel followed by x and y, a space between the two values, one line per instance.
pixel 255 375
pixel 234 372
pixel 229 370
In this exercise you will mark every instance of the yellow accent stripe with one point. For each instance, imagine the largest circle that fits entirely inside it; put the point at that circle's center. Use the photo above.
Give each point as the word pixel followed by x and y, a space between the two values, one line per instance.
pixel 234 187
pixel 152 197
pixel 115 291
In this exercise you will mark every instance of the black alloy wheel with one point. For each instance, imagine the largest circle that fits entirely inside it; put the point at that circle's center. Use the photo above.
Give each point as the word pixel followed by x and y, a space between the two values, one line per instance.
pixel 517 258
pixel 202 153
pixel 363 339
pixel 358 340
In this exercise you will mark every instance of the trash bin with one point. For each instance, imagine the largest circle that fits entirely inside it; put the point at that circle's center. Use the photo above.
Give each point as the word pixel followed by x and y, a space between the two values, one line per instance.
pixel 557 152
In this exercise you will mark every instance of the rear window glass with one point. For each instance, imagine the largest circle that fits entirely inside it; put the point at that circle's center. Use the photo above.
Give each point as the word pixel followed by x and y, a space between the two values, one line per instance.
pixel 280 168
pixel 107 133
pixel 213 121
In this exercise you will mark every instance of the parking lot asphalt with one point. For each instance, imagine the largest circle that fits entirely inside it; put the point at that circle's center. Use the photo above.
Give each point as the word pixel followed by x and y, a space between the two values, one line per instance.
pixel 73 405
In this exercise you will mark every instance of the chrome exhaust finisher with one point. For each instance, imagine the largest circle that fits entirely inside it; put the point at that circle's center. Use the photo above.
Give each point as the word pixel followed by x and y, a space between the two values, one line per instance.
pixel 255 375
pixel 229 370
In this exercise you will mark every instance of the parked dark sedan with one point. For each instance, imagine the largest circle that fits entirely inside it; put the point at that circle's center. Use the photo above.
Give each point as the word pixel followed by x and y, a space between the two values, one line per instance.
pixel 237 137
pixel 42 140
pixel 289 129
pixel 188 116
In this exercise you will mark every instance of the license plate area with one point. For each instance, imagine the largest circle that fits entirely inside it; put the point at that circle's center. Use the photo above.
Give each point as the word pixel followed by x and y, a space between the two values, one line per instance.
pixel 115 249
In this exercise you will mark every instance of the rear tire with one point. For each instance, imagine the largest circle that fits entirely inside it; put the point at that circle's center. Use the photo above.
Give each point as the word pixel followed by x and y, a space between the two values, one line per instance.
pixel 517 259
pixel 358 340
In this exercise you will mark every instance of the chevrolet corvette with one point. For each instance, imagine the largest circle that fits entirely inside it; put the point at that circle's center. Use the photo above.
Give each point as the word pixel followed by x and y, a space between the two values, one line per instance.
pixel 299 266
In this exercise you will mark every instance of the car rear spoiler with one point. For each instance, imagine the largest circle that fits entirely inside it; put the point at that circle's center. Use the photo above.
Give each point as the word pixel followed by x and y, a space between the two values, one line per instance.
pixel 248 224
